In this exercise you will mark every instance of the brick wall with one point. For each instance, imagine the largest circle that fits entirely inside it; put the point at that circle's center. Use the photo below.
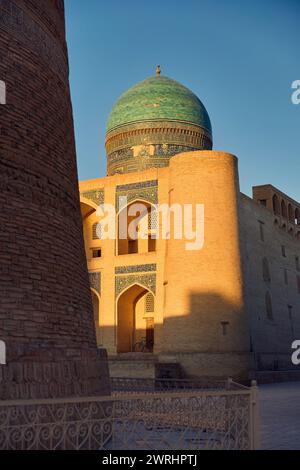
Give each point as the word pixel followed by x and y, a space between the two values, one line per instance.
pixel 265 243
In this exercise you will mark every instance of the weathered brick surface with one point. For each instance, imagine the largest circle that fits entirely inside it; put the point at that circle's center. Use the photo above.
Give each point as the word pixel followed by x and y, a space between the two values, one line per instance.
pixel 45 301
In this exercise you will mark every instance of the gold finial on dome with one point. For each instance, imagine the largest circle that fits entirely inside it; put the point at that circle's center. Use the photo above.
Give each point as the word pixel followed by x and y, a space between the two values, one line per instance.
pixel 158 71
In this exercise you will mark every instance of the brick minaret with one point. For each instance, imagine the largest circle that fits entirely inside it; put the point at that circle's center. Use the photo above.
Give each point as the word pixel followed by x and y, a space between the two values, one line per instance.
pixel 45 301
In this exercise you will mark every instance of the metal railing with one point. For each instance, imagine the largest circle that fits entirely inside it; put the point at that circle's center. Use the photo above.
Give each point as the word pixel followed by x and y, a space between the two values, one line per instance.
pixel 180 420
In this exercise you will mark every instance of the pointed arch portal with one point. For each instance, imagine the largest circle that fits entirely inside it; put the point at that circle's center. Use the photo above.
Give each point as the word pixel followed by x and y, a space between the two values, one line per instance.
pixel 135 323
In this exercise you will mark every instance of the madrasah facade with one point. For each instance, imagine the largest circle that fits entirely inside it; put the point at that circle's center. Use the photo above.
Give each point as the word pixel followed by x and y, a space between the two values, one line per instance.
pixel 231 308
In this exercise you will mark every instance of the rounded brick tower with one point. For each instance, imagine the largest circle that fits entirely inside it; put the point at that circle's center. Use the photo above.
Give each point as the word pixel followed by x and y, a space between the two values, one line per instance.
pixel 46 315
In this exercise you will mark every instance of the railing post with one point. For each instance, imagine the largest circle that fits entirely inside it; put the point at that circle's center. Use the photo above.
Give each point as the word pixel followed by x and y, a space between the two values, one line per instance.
pixel 254 416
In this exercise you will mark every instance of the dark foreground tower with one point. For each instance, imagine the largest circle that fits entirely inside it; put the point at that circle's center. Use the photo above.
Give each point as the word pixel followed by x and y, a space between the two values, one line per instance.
pixel 45 302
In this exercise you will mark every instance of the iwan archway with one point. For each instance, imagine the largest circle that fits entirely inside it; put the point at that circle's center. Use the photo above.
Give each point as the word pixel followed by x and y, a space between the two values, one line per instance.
pixel 135 320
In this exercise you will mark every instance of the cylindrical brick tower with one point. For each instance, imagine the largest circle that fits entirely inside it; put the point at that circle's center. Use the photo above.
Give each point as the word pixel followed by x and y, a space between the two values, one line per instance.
pixel 46 316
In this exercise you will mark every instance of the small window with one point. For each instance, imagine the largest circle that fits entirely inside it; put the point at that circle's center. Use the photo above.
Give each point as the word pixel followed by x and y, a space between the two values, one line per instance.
pixel 263 202
pixel 97 253
pixel 97 231
pixel 269 308
pixel 283 251
pixel 153 219
pixel 266 270
pixel 290 310
pixel 297 263
pixel 225 325
pixel 298 284
pixel 149 303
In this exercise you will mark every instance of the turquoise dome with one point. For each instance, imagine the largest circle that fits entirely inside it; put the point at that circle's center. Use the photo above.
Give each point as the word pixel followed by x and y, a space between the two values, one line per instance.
pixel 158 98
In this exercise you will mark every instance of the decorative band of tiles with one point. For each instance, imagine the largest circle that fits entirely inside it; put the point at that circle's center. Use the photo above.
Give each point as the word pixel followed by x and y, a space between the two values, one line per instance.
pixel 140 185
pixel 95 282
pixel 146 280
pixel 94 195
pixel 132 165
pixel 145 190
pixel 157 132
pixel 142 268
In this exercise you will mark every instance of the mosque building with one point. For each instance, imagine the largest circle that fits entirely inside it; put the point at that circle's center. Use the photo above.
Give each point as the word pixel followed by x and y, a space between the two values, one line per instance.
pixel 229 308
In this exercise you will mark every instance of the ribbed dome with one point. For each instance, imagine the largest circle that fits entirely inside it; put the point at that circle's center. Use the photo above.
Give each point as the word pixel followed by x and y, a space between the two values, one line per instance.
pixel 158 98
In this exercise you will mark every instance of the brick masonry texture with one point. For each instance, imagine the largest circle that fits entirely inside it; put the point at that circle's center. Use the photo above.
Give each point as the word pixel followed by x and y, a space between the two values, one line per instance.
pixel 45 309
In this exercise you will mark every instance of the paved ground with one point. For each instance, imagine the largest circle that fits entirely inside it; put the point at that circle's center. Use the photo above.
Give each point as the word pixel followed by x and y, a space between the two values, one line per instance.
pixel 280 415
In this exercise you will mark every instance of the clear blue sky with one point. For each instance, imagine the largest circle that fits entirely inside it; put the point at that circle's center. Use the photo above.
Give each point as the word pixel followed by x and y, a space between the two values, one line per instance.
pixel 239 56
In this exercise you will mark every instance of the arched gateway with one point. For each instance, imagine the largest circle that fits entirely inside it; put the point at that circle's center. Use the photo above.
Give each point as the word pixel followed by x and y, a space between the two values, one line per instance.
pixel 135 320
